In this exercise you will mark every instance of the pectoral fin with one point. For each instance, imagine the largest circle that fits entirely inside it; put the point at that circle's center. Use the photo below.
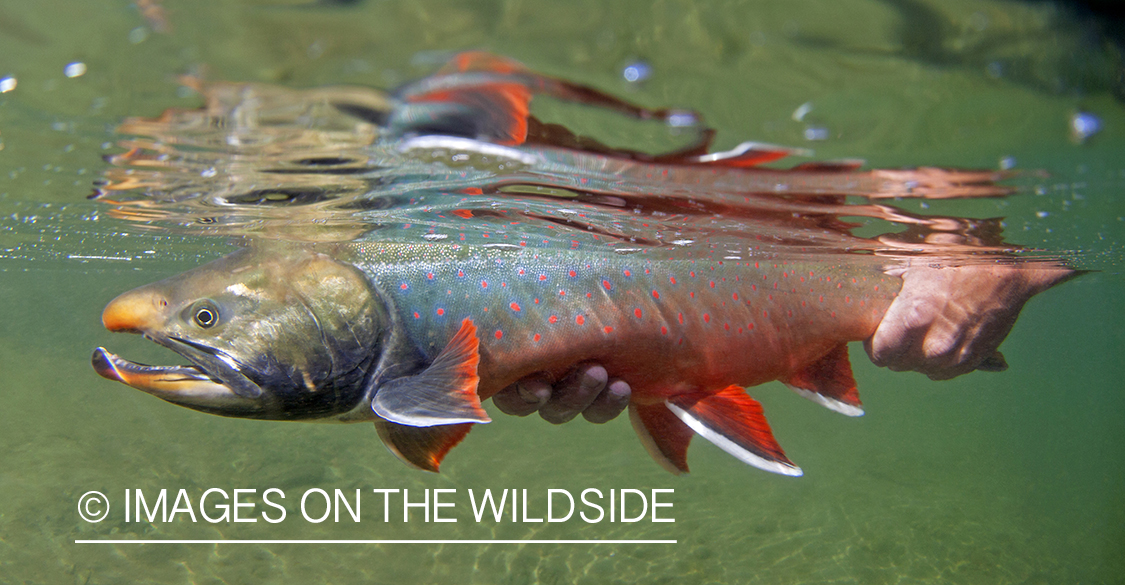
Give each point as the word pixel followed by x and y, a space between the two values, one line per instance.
pixel 829 382
pixel 421 447
pixel 445 393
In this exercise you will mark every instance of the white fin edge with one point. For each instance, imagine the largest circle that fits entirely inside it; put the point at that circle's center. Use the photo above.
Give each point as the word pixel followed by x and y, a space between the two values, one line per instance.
pixel 650 444
pixel 829 403
pixel 730 446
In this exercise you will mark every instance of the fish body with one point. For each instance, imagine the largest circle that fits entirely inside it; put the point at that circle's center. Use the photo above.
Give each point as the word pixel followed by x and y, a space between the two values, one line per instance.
pixel 413 336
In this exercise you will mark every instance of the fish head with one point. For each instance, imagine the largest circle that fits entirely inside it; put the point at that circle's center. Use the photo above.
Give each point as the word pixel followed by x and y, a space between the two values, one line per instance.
pixel 277 332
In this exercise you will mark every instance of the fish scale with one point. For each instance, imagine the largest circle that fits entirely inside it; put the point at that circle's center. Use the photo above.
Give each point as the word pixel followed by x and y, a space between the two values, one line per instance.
pixel 711 320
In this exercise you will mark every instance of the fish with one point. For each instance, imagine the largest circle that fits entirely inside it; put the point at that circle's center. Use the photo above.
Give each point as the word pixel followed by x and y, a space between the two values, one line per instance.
pixel 413 337
pixel 413 328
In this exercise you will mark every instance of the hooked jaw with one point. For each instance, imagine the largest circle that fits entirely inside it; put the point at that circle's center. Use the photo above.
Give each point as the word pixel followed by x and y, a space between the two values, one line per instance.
pixel 183 385
pixel 140 311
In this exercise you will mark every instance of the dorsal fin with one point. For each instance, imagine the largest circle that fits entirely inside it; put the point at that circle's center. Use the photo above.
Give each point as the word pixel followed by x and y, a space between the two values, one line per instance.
pixel 829 382
pixel 421 447
pixel 445 393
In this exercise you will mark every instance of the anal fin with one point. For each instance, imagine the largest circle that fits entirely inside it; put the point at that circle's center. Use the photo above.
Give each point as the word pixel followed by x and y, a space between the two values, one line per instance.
pixel 829 382
pixel 734 422
pixel 445 393
pixel 421 447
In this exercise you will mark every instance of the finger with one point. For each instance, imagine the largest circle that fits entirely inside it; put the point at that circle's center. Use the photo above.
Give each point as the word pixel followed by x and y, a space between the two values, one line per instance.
pixel 574 393
pixel 523 397
pixel 609 403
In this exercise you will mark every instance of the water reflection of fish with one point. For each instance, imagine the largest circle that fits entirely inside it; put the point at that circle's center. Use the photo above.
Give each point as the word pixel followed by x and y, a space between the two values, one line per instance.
pixel 413 332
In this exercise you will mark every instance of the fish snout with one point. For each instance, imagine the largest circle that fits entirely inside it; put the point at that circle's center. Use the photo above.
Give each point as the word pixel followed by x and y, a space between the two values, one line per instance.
pixel 134 312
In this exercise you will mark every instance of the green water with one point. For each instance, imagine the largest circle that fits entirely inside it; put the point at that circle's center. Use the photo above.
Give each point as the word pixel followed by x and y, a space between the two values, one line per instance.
pixel 1017 477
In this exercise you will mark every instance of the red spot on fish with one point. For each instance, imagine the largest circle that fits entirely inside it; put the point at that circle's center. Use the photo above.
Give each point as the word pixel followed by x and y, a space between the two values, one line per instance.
pixel 542 277
pixel 484 284
pixel 537 301
pixel 608 329
pixel 607 285
pixel 562 293
pixel 735 296
pixel 726 326
pixel 416 315
pixel 637 313
pixel 749 326
pixel 430 275
pixel 712 284
pixel 499 334
pixel 655 294
pixel 404 286
pixel 461 273
pixel 673 279
pixel 440 312
pixel 572 274
pixel 535 337
pixel 553 319
pixel 706 318
pixel 515 307
pixel 663 330
pixel 692 274
pixel 627 273
pixel 765 314
pixel 589 295
pixel 681 317
pixel 580 320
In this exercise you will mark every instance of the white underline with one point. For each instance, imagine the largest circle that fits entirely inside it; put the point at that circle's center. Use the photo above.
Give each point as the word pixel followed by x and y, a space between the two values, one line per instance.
pixel 375 542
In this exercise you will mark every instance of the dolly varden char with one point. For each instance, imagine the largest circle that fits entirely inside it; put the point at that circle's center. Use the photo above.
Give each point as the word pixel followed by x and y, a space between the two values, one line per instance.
pixel 686 334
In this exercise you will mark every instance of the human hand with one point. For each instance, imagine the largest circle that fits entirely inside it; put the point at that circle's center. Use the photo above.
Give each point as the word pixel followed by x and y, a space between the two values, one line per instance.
pixel 587 390
pixel 948 321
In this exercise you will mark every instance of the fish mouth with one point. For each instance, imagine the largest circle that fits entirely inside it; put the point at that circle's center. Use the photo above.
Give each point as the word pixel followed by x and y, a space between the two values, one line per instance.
pixel 212 382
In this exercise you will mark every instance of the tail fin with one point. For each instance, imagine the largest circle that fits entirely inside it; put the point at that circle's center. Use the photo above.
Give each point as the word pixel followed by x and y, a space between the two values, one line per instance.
pixel 728 418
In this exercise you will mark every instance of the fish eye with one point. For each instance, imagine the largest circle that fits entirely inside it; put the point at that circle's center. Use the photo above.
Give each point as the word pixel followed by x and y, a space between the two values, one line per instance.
pixel 205 314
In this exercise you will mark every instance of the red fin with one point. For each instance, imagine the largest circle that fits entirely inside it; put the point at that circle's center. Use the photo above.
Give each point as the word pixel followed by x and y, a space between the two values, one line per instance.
pixel 829 382
pixel 481 61
pixel 733 422
pixel 495 110
pixel 662 434
pixel 445 393
pixel 835 166
pixel 421 447
pixel 747 154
